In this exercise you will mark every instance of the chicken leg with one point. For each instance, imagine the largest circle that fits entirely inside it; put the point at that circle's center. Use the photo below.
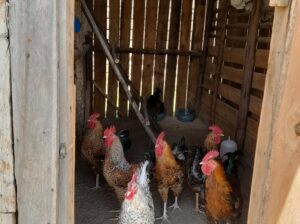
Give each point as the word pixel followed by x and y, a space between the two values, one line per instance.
pixel 165 216
pixel 175 205
pixel 97 182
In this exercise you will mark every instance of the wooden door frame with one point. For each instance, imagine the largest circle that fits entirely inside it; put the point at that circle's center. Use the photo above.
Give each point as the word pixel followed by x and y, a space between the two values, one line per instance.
pixel 43 107
pixel 276 178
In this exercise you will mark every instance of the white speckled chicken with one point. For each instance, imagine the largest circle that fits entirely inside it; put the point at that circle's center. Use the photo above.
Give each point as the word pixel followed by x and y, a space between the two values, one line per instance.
pixel 137 206
pixel 117 171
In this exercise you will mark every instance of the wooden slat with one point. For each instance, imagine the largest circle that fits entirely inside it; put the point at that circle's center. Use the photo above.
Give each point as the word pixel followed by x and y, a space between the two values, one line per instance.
pixel 42 76
pixel 100 60
pixel 209 83
pixel 7 183
pixel 205 105
pixel 150 29
pixel 124 42
pixel 183 61
pixel 236 75
pixel 230 93
pixel 171 64
pixel 210 68
pixel 278 140
pixel 255 105
pixel 196 45
pixel 234 55
pixel 226 112
pixel 261 58
pixel 138 32
pixel 8 218
pixel 213 51
pixel 250 52
pixel 161 40
pixel 226 126
pixel 114 41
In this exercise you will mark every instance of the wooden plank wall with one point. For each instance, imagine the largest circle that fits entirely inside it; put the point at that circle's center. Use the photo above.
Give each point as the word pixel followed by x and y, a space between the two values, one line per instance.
pixel 149 30
pixel 222 83
pixel 8 206
pixel 43 102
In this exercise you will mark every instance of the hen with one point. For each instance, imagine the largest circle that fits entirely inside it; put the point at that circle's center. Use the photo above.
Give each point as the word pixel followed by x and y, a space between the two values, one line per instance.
pixel 92 146
pixel 137 206
pixel 223 199
pixel 168 173
pixel 155 106
pixel 117 171
pixel 213 139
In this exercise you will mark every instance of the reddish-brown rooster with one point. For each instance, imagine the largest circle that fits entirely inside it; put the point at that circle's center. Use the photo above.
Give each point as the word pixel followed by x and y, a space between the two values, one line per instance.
pixel 92 146
pixel 213 139
pixel 168 173
pixel 223 201
pixel 117 171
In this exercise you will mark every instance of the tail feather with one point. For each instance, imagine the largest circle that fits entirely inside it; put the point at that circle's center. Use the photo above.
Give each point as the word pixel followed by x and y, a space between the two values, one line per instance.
pixel 143 179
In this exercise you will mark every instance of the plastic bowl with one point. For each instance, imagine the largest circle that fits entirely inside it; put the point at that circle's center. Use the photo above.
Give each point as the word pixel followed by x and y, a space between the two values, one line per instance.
pixel 185 115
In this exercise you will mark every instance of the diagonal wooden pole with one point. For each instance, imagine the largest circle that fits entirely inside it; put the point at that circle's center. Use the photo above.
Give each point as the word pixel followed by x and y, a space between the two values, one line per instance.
pixel 107 50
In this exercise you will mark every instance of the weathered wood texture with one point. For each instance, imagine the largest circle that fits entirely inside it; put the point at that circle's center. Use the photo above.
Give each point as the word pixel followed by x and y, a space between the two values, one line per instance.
pixel 43 96
pixel 7 180
pixel 100 11
pixel 275 188
pixel 149 58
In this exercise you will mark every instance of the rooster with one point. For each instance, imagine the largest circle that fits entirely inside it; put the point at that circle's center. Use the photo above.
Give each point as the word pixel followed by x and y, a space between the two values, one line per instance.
pixel 223 199
pixel 213 139
pixel 168 173
pixel 117 171
pixel 138 207
pixel 92 146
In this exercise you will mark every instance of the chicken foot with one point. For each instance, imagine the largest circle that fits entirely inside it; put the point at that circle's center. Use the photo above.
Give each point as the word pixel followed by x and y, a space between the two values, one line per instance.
pixel 165 216
pixel 175 205
pixel 197 209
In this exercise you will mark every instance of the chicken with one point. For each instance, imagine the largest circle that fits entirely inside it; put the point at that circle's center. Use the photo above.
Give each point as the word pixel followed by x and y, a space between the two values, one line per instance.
pixel 195 175
pixel 168 173
pixel 117 171
pixel 223 199
pixel 138 207
pixel 92 146
pixel 213 139
pixel 155 106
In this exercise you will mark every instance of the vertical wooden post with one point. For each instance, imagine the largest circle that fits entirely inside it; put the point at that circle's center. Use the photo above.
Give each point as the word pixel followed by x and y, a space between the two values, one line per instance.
pixel 240 133
pixel 208 15
pixel 7 180
pixel 220 47
pixel 275 186
pixel 43 96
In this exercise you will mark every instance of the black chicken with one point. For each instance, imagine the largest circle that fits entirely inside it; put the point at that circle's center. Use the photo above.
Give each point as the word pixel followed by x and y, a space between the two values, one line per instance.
pixel 155 106
pixel 195 175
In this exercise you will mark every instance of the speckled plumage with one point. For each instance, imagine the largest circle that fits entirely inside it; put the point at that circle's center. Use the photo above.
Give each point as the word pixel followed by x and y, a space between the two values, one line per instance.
pixel 210 143
pixel 169 174
pixel 139 210
pixel 92 146
pixel 117 171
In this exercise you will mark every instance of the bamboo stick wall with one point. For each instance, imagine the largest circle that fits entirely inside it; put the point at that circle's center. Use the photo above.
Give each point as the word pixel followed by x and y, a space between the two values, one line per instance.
pixel 159 45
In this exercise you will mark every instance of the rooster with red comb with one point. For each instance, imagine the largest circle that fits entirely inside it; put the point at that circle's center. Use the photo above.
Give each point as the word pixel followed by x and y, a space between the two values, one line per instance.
pixel 92 145
pixel 223 198
pixel 117 171
pixel 213 139
pixel 168 173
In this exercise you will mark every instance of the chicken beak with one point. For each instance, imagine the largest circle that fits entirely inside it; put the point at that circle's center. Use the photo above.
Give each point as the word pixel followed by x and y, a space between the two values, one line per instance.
pixel 222 135
pixel 201 163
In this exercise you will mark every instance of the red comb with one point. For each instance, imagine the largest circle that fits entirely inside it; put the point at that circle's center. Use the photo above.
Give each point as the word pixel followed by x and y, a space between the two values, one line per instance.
pixel 94 116
pixel 210 155
pixel 216 129
pixel 160 137
pixel 111 129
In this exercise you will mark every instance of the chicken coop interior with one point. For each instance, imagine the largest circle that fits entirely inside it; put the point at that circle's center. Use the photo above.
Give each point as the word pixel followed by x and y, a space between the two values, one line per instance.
pixel 207 59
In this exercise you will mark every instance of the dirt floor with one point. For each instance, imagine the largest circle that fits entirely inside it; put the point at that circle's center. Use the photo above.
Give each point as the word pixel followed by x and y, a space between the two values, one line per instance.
pixel 93 206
